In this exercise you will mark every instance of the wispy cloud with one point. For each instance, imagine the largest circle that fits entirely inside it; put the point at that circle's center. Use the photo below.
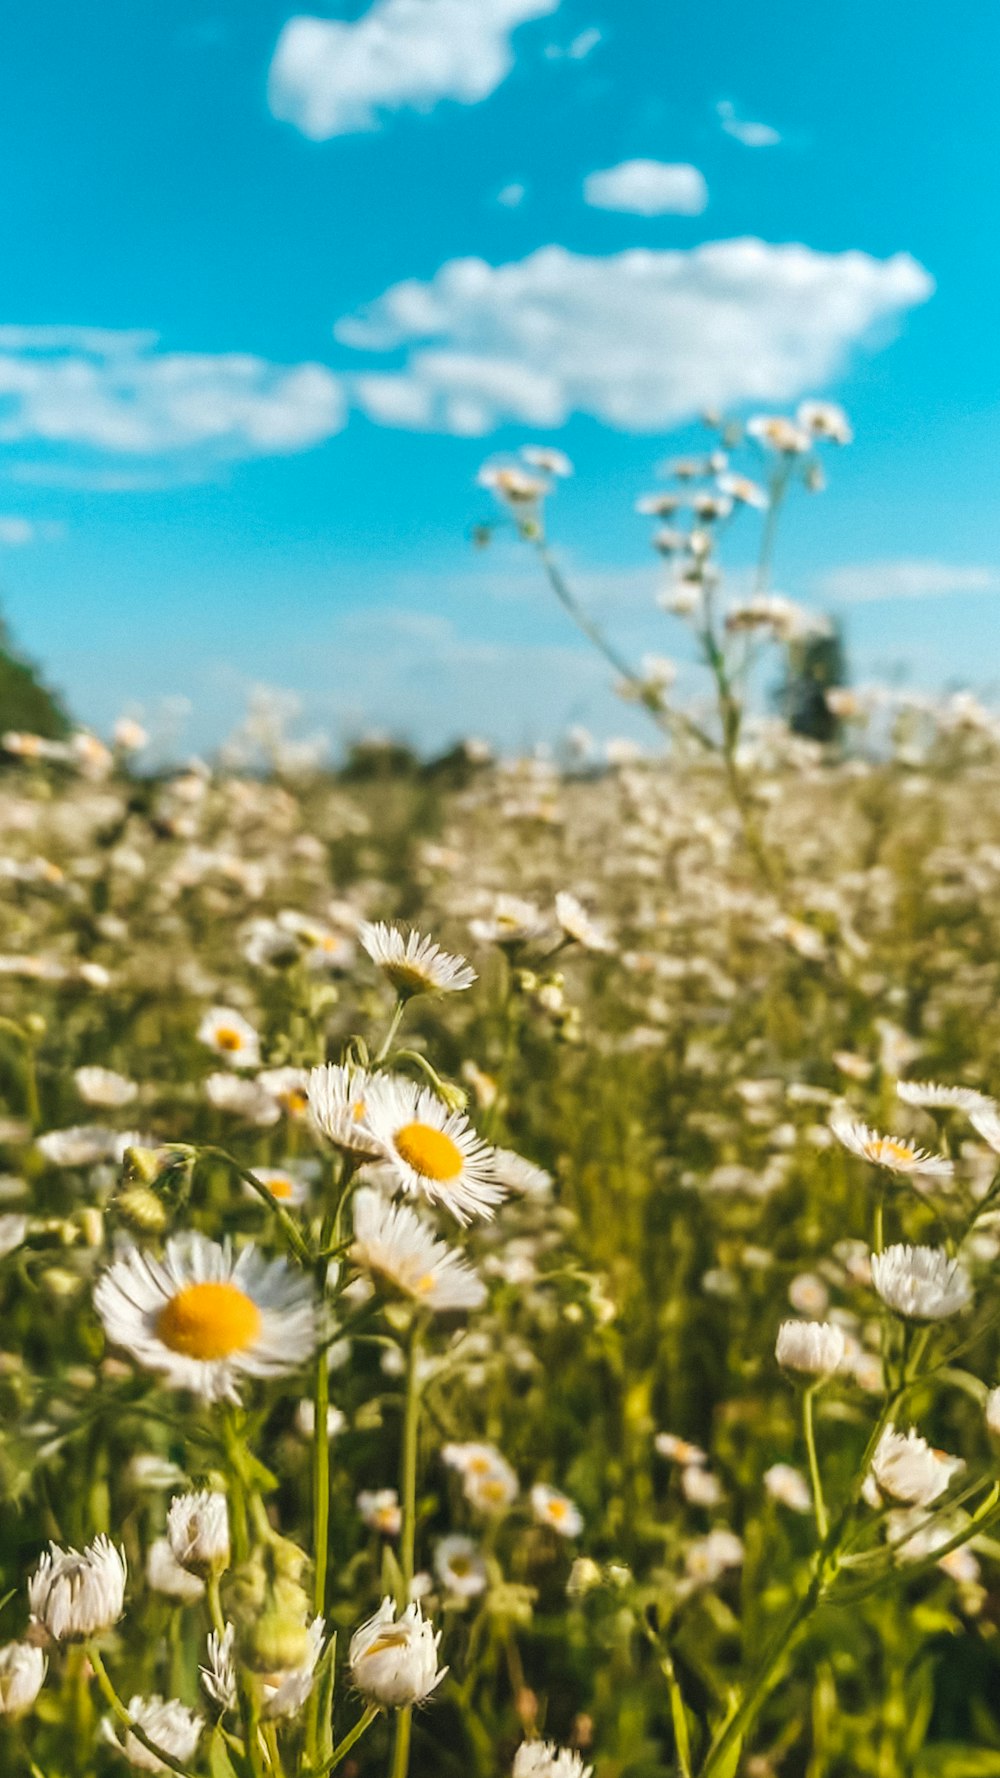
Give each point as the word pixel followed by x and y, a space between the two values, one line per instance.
pixel 332 78
pixel 648 188
pixel 752 135
pixel 640 340
pixel 908 578
pixel 119 394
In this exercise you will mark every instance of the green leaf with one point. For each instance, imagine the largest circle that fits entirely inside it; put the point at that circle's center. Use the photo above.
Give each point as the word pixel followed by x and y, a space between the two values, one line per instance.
pixel 219 1763
pixel 953 1759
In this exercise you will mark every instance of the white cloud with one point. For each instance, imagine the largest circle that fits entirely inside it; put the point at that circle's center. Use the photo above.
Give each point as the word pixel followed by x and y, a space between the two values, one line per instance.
pixel 511 196
pixel 641 340
pixel 648 188
pixel 331 78
pixel 15 532
pixel 116 393
pixel 752 135
pixel 578 49
pixel 864 582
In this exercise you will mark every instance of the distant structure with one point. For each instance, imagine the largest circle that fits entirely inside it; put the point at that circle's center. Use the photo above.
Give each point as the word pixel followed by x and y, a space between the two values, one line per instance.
pixel 25 702
pixel 815 663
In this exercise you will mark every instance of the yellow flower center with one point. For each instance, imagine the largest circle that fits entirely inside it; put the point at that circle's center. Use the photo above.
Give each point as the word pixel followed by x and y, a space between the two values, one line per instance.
pixel 208 1321
pixel 429 1151
pixel 388 1639
pixel 557 1510
pixel 407 977
pixel 228 1039
pixel 280 1188
pixel 294 1100
pixel 425 1284
pixel 887 1149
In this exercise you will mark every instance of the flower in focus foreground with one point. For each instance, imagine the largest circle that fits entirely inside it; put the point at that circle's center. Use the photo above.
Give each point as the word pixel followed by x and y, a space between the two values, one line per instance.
pixel 433 1152
pixel 394 1661
pixel 205 1316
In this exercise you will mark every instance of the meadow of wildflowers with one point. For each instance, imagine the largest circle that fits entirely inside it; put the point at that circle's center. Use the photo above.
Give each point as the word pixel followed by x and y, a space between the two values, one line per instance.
pixel 498 1262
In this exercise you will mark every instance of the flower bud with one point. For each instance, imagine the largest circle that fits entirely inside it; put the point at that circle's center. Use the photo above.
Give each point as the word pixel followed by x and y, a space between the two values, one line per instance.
pixel 142 1209
pixel 394 1661
pixel 75 1594
pixel 22 1669
pixel 198 1531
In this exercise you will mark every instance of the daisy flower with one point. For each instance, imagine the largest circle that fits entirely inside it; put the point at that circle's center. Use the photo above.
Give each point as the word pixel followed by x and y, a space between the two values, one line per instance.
pixel 788 1486
pixel 814 1348
pixel 392 1240
pixel 904 1467
pixel 523 1178
pixel 921 1283
pixel 165 1575
pixel 510 482
pixel 576 923
pixel 825 419
pixel 679 1450
pixel 513 921
pixel 198 1531
pixel 433 1152
pixel 205 1316
pixel 282 1693
pixel 281 1184
pixel 393 1661
pixel 744 491
pixel 289 1086
pixel 556 1510
pixel 240 1097
pixel 893 1153
pixel 930 1094
pixel 75 1594
pixel 381 1511
pixel 547 459
pixel 103 1087
pixel 337 1107
pixel 229 1034
pixel 489 1482
pixel 460 1567
pixel 776 433
pixel 412 963
pixel 22 1670
pixel 543 1759
pixel 168 1723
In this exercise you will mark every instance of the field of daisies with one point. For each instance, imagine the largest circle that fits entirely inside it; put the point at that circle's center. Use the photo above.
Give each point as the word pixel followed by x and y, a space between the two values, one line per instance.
pixel 499 1263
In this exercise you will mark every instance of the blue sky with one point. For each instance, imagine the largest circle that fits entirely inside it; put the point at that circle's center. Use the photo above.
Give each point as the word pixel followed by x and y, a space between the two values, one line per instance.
pixel 233 451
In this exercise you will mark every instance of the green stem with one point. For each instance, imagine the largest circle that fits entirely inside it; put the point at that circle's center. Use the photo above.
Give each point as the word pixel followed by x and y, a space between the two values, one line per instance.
pixel 292 1234
pixel 119 1710
pixel 390 1036
pixel 815 1479
pixel 401 1745
pixel 407 1542
pixel 343 1747
pixel 769 536
pixel 669 720
pixel 753 1698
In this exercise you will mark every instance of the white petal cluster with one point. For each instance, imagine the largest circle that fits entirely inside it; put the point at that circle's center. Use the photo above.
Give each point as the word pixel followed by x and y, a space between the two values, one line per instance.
pixel 932 1096
pixel 543 1759
pixel 337 1107
pixel 282 1694
pixel 165 1575
pixel 74 1594
pixel 393 1241
pixel 577 924
pixel 169 1724
pixel 198 1530
pixel 815 1348
pixel 555 1510
pixel 489 1482
pixel 893 1153
pixel 433 1152
pixel 920 1283
pixel 788 1486
pixel 393 1660
pixel 905 1468
pixel 412 963
pixel 22 1670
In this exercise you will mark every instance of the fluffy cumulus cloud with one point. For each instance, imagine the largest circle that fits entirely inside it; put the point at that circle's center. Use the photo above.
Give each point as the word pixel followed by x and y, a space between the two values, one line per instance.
pixel 640 340
pixel 117 393
pixel 331 78
pixel 648 188
pixel 909 578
